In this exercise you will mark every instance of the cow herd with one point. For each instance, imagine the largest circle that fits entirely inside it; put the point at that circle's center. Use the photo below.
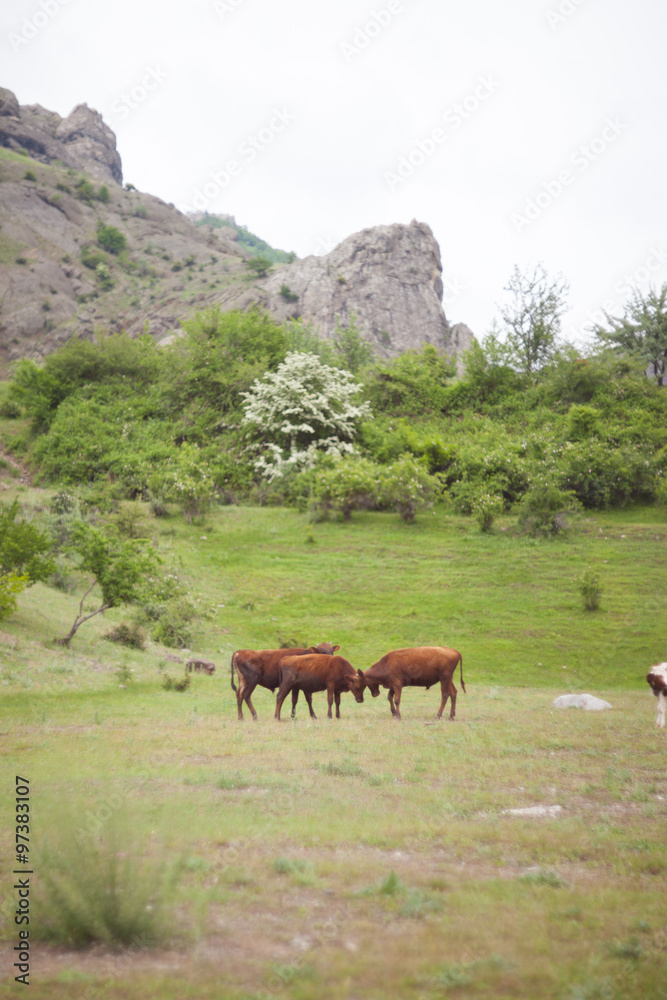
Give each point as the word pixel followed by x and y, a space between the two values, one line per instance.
pixel 318 668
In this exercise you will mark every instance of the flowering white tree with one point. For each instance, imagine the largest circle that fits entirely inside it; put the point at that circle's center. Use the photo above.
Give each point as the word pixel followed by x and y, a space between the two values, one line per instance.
pixel 303 408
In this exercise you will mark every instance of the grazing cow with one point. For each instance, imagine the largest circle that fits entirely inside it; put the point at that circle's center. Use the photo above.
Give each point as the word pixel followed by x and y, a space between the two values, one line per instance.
pixel 200 667
pixel 423 666
pixel 657 678
pixel 261 666
pixel 333 674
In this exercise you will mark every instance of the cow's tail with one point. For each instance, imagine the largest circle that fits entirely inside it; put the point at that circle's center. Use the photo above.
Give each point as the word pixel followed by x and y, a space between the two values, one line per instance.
pixel 461 664
pixel 233 684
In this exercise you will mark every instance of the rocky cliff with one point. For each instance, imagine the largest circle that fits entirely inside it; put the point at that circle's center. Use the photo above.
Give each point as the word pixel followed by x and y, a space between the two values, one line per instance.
pixel 388 277
pixel 81 140
pixel 60 179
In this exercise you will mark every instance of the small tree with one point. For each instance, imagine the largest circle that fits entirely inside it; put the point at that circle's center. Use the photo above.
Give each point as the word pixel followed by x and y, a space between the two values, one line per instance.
pixel 407 487
pixel 352 484
pixel 259 266
pixel 532 320
pixel 351 351
pixel 110 238
pixel 24 550
pixel 642 331
pixel 119 568
pixel 300 410
pixel 188 481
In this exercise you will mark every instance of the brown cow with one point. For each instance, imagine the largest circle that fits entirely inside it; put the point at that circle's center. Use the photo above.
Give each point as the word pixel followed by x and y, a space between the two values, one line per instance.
pixel 333 674
pixel 261 666
pixel 423 666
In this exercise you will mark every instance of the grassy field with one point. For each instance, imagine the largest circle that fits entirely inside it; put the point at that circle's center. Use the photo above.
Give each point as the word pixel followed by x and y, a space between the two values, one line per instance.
pixel 359 858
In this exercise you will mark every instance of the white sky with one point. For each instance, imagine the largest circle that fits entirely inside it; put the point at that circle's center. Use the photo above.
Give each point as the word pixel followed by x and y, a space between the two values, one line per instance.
pixel 485 105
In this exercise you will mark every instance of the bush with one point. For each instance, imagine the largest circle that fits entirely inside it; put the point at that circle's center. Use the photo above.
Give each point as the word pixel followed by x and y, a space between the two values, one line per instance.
pixel 304 409
pixel 110 238
pixel 590 589
pixel 127 635
pixel 10 410
pixel 11 585
pixel 352 484
pixel 485 507
pixel 547 510
pixel 175 626
pixel 99 888
pixel 170 683
pixel 407 487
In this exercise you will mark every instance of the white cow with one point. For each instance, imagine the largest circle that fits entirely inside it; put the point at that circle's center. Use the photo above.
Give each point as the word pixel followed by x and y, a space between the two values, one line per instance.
pixel 657 678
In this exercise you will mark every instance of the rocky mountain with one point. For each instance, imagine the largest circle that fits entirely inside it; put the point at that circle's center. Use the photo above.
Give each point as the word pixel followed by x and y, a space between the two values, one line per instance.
pixel 61 183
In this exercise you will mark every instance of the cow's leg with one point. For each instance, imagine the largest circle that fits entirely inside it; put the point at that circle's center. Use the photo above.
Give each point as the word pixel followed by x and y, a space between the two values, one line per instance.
pixel 452 692
pixel 445 689
pixel 662 704
pixel 397 700
pixel 337 697
pixel 309 698
pixel 247 692
pixel 390 696
pixel 283 691
pixel 295 698
pixel 330 698
pixel 239 698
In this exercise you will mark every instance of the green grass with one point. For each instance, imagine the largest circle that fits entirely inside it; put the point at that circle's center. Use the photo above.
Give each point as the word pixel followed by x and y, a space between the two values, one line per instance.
pixel 364 857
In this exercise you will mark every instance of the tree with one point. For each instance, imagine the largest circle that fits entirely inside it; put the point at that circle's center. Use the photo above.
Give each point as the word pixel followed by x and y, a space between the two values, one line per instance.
pixel 260 265
pixel 110 238
pixel 532 318
pixel 351 351
pixel 119 568
pixel 24 549
pixel 303 408
pixel 642 331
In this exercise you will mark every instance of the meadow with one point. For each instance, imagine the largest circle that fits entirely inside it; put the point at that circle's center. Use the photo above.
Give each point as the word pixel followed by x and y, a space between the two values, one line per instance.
pixel 360 857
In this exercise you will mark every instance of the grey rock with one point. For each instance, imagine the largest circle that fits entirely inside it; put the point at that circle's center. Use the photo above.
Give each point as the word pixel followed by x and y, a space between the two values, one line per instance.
pixel 535 811
pixel 91 143
pixel 8 102
pixel 587 701
pixel 388 277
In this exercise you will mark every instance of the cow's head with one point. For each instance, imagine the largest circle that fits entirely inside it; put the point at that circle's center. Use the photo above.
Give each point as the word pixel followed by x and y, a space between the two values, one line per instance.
pixel 324 647
pixel 372 687
pixel 357 685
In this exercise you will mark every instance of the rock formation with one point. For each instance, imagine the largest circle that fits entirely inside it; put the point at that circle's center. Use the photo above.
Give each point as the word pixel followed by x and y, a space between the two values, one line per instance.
pixel 81 140
pixel 388 277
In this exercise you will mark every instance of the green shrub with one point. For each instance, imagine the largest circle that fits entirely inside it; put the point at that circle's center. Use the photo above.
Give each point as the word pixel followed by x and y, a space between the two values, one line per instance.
pixel 30 175
pixel 11 585
pixel 590 589
pixel 547 510
pixel 100 888
pixel 92 258
pixel 110 238
pixel 180 684
pixel 353 483
pixel 127 635
pixel 582 422
pixel 485 508
pixel 103 275
pixel 175 626
pixel 10 410
pixel 407 487
pixel 85 191
pixel 287 293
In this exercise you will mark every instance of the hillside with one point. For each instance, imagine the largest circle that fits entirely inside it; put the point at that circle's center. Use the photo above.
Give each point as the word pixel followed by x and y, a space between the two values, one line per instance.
pixel 61 179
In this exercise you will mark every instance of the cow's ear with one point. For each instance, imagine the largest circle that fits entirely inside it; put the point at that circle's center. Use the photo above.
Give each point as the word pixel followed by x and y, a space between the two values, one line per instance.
pixel 313 649
pixel 361 674
pixel 335 648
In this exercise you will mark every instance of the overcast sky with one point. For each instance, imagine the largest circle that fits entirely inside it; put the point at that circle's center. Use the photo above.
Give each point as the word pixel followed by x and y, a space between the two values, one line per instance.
pixel 519 130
